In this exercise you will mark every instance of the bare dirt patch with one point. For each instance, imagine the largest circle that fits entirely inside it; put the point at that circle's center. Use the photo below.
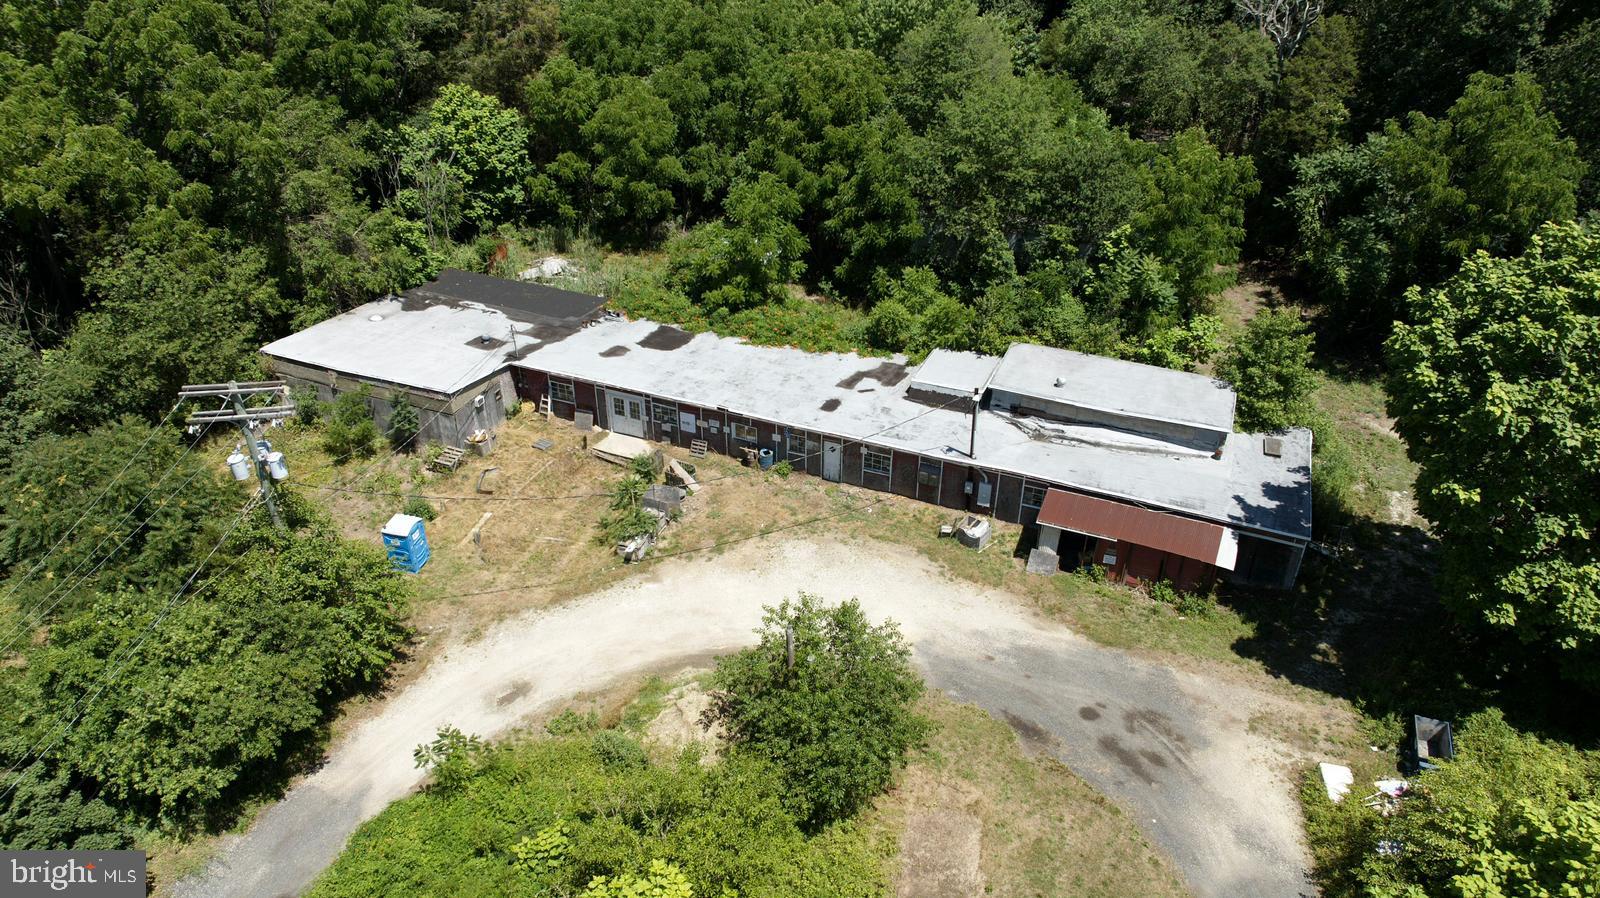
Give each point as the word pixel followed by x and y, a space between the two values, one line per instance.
pixel 678 725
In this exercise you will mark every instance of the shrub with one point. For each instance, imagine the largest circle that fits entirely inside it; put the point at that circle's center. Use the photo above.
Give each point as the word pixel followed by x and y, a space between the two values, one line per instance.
pixel 308 408
pixel 452 757
pixel 404 425
pixel 783 468
pixel 570 722
pixel 419 507
pixel 855 677
pixel 646 467
pixel 350 431
pixel 617 751
pixel 546 852
pixel 1511 815
pixel 548 816
pixel 1187 603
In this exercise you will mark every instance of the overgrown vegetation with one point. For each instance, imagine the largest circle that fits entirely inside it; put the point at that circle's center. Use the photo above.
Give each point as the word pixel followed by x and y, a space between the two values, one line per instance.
pixel 587 812
pixel 1511 815
pixel 183 703
pixel 838 721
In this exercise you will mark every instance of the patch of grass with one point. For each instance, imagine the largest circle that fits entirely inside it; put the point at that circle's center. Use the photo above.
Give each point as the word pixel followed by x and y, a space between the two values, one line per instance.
pixel 1044 831
pixel 1378 485
pixel 648 703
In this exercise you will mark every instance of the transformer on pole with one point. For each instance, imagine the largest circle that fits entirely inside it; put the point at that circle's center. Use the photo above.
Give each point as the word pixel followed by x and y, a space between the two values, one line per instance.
pixel 256 452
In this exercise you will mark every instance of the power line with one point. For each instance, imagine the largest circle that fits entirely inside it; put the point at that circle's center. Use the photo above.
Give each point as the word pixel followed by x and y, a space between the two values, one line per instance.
pixel 83 703
pixel 16 582
pixel 62 588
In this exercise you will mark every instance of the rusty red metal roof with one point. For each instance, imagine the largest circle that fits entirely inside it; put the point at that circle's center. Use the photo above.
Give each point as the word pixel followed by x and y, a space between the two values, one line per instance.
pixel 1157 530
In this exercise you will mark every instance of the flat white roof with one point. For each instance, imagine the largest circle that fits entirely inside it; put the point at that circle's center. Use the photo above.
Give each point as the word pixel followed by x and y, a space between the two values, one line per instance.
pixel 950 371
pixel 864 399
pixel 431 337
pixel 1117 386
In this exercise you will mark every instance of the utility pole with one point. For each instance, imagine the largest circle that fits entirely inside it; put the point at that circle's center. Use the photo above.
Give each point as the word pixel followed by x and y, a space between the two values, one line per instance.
pixel 249 421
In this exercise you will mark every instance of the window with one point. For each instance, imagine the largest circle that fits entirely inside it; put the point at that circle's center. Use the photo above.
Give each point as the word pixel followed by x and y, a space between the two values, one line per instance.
pixel 1032 495
pixel 928 472
pixel 617 407
pixel 875 461
pixel 666 416
pixel 744 433
pixel 561 392
pixel 797 447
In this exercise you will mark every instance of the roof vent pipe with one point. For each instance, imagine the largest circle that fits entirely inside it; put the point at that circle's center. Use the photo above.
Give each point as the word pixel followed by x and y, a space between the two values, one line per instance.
pixel 972 442
pixel 1061 381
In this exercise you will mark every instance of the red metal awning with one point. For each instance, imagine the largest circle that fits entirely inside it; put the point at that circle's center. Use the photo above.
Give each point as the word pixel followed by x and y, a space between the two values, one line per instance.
pixel 1211 543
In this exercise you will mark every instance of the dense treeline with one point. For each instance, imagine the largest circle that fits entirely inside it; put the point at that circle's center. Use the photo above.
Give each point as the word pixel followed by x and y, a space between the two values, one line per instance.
pixel 183 180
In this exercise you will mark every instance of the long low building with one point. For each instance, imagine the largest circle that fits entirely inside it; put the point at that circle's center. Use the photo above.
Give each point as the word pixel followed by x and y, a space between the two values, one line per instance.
pixel 1130 467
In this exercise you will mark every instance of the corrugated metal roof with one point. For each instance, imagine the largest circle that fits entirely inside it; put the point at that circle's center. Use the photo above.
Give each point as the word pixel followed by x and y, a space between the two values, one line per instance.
pixel 1113 520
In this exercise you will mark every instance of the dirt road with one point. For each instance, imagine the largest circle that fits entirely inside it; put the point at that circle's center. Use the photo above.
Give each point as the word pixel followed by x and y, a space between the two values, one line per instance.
pixel 1172 748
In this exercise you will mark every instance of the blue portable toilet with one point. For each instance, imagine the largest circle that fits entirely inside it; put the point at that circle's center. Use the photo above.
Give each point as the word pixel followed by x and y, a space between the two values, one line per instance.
pixel 405 538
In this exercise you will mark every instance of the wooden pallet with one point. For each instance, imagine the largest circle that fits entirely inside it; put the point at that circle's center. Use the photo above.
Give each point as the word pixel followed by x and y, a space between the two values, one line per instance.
pixel 697 448
pixel 449 459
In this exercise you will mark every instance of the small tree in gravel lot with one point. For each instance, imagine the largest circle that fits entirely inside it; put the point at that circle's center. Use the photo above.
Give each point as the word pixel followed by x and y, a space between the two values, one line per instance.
pixel 839 722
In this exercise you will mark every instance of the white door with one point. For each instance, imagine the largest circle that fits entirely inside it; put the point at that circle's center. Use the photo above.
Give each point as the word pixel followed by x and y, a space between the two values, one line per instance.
pixel 832 456
pixel 625 414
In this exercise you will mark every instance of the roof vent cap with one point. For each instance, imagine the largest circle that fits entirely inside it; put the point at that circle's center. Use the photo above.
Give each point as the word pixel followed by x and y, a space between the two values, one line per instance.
pixel 374 317
pixel 1061 381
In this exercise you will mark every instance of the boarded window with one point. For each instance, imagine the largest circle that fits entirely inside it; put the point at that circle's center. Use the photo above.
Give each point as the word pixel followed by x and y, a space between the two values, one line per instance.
pixel 561 392
pixel 874 461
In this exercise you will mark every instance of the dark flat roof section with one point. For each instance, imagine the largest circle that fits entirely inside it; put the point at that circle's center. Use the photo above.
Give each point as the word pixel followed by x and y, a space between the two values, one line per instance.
pixel 522 301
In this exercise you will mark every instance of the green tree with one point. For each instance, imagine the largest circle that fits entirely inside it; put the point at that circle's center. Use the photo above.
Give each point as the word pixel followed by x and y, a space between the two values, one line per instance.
pixel 630 140
pixel 404 425
pixel 1512 814
pixel 1270 368
pixel 748 258
pixel 1310 109
pixel 1569 71
pixel 1158 73
pixel 503 42
pixel 472 142
pixel 124 505
pixel 349 430
pixel 20 373
pixel 1420 55
pixel 1196 223
pixel 218 687
pixel 1492 390
pixel 854 675
pixel 1408 205
pixel 178 303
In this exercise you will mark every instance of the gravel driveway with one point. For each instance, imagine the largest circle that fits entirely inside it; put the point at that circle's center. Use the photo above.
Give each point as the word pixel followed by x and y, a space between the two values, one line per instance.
pixel 1173 748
